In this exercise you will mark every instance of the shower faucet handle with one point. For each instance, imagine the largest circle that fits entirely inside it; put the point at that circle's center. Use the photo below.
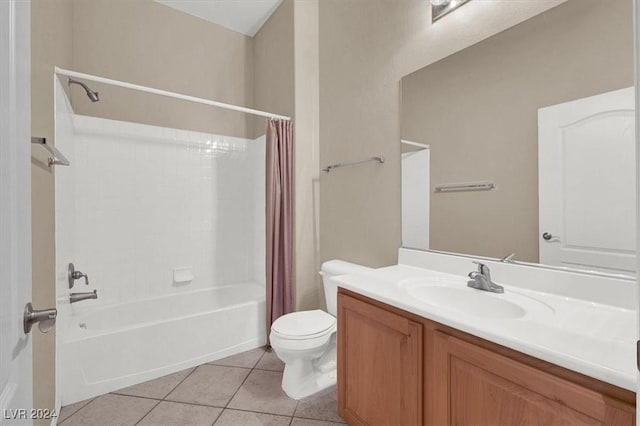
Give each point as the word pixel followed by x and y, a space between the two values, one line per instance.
pixel 77 275
pixel 74 275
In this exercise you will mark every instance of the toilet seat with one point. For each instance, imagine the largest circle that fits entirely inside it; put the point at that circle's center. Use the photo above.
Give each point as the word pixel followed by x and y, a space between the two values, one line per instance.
pixel 301 331
pixel 315 342
pixel 304 325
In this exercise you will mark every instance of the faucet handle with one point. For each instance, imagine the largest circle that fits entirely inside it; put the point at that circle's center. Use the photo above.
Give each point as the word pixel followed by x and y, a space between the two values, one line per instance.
pixel 508 258
pixel 480 264
pixel 74 275
pixel 482 268
pixel 77 275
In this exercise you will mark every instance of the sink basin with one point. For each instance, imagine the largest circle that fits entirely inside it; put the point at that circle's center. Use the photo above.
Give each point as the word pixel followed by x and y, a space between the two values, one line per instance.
pixel 451 293
pixel 467 300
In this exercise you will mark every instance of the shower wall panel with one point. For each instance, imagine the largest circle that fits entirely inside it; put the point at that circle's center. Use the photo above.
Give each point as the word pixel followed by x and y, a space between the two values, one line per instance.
pixel 139 202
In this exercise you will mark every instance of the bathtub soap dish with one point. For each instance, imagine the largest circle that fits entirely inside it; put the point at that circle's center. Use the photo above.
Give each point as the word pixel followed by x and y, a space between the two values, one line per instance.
pixel 183 275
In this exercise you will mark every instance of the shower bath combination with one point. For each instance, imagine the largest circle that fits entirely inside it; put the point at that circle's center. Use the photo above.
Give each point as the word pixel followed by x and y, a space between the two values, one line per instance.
pixel 93 95
pixel 219 237
pixel 146 323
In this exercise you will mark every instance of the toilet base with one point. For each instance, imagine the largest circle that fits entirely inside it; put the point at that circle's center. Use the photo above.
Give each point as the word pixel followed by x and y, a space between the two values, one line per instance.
pixel 303 378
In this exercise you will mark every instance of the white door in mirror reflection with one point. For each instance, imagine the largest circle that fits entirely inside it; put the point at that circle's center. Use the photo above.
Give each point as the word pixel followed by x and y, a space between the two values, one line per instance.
pixel 415 197
pixel 587 183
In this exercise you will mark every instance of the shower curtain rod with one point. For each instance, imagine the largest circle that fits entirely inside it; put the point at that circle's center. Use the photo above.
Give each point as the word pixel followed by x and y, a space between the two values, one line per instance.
pixel 75 74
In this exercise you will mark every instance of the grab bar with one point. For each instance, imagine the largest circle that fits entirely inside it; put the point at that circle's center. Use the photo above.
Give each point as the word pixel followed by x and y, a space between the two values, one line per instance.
pixel 379 159
pixel 56 158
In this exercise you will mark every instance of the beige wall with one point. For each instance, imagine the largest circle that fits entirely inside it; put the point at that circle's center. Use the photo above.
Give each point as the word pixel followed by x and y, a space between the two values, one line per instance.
pixel 366 46
pixel 477 109
pixel 308 285
pixel 144 42
pixel 51 44
pixel 360 207
pixel 274 66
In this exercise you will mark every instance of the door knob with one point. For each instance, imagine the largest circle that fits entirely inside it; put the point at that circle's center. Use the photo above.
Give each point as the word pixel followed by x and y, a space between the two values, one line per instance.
pixel 45 318
pixel 547 236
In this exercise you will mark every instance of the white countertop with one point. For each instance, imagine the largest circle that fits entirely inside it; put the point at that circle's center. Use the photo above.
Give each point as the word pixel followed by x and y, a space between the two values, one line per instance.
pixel 594 339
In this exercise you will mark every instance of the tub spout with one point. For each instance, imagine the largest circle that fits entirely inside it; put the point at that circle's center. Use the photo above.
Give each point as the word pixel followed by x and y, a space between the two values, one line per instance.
pixel 76 297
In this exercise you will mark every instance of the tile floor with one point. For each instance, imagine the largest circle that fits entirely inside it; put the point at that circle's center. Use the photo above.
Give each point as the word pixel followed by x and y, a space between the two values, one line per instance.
pixel 241 390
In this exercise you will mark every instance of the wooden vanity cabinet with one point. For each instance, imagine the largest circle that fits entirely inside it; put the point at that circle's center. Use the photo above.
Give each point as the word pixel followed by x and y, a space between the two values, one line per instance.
pixel 475 386
pixel 395 368
pixel 384 389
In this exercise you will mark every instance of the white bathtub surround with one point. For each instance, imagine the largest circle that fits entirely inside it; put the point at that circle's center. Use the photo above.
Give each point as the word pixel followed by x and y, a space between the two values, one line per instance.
pixel 148 200
pixel 169 226
pixel 583 323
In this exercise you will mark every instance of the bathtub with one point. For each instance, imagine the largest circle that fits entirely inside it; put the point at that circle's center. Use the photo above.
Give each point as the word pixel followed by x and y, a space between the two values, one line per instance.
pixel 108 348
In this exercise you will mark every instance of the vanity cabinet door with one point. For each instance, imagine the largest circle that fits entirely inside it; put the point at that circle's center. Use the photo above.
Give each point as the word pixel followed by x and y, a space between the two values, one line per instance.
pixel 475 386
pixel 379 365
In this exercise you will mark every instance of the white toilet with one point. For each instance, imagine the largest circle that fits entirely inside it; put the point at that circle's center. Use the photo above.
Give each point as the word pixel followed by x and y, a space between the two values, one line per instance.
pixel 306 341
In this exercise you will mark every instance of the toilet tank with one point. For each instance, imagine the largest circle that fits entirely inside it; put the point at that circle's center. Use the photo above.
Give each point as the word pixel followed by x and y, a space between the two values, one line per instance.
pixel 333 268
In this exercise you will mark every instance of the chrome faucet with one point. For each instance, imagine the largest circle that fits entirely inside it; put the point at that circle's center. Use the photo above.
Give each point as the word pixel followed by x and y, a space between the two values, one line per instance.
pixel 481 280
pixel 76 297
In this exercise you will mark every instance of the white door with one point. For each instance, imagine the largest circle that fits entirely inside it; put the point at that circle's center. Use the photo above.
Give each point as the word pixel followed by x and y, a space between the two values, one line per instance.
pixel 587 190
pixel 15 210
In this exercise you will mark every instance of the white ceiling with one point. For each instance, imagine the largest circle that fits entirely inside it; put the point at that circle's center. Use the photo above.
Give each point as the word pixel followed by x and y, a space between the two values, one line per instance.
pixel 243 16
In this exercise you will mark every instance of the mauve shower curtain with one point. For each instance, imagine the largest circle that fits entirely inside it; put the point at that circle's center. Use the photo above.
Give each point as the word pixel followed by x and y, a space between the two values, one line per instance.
pixel 279 219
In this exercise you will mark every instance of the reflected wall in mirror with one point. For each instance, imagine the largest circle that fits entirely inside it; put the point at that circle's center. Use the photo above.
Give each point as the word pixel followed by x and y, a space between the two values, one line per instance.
pixel 545 112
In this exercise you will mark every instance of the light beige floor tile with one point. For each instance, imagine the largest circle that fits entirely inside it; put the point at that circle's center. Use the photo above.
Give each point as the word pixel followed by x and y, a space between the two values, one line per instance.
pixel 177 414
pixel 262 392
pixel 270 361
pixel 157 388
pixel 112 410
pixel 246 359
pixel 309 422
pixel 68 410
pixel 209 385
pixel 320 406
pixel 247 418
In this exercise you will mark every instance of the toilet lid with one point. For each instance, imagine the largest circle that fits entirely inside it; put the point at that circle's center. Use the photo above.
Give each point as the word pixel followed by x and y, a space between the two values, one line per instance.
pixel 305 323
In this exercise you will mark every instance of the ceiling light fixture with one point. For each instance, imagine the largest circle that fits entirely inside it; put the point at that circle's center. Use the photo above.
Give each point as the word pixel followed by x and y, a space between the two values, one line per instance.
pixel 440 8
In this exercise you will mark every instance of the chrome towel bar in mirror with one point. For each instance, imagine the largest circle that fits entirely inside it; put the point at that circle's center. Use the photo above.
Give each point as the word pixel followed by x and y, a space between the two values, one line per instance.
pixel 473 186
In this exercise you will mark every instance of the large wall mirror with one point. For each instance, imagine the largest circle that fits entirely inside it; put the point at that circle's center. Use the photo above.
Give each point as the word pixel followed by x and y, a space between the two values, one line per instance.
pixel 524 143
